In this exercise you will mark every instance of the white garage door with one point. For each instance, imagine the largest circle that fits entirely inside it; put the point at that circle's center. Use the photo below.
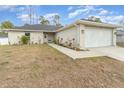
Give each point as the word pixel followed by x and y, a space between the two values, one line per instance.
pixel 98 37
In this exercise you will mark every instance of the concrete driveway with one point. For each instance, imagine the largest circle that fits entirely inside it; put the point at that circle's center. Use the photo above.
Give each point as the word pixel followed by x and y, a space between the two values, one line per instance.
pixel 113 52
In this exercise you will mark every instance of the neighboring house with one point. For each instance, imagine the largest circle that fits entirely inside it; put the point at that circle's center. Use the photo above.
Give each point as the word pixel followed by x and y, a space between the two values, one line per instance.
pixel 81 34
pixel 120 35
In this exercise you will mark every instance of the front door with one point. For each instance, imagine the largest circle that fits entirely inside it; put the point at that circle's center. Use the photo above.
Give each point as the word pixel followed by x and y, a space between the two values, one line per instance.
pixel 45 38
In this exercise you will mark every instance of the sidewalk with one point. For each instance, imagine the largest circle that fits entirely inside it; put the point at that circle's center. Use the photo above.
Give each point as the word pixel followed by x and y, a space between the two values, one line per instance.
pixel 75 54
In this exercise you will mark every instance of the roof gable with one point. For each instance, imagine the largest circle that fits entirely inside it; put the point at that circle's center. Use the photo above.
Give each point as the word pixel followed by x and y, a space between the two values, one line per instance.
pixel 90 23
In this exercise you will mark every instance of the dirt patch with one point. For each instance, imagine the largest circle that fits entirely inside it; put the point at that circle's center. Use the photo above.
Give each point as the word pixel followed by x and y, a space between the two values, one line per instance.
pixel 43 66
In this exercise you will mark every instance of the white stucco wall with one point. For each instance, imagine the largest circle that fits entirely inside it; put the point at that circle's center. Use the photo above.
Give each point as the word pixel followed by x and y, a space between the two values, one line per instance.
pixel 98 37
pixel 68 35
pixel 81 36
pixel 14 37
pixel 36 37
pixel 86 36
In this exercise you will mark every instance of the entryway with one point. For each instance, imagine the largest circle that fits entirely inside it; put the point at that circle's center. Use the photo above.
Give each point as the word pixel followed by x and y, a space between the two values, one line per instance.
pixel 48 37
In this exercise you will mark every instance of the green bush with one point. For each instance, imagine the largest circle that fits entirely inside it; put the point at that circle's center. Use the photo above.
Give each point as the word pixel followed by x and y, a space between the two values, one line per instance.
pixel 56 41
pixel 25 39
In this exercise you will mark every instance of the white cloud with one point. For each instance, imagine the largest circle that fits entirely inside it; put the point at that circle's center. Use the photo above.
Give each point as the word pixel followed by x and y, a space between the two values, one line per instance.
pixel 13 8
pixel 90 7
pixel 70 8
pixel 49 16
pixel 76 13
pixel 16 8
pixel 115 19
pixel 81 10
pixel 7 7
pixel 25 17
pixel 104 12
pixel 22 13
pixel 88 10
pixel 21 8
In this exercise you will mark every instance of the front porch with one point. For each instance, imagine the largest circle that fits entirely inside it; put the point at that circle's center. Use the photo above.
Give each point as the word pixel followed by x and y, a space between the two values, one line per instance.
pixel 48 37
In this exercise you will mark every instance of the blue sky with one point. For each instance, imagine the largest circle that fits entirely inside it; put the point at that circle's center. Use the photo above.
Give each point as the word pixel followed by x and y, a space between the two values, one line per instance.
pixel 68 13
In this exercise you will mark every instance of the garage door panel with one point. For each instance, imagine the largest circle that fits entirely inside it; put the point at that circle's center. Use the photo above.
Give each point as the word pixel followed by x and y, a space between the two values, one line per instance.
pixel 98 37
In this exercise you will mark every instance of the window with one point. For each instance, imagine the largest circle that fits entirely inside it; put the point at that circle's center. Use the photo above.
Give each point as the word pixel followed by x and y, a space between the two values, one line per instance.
pixel 27 34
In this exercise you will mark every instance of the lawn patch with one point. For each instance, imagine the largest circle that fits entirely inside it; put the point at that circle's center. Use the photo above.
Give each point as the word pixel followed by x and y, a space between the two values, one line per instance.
pixel 43 66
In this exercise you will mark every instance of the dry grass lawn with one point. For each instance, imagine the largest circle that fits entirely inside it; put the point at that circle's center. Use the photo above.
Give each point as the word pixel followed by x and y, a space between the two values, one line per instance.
pixel 43 66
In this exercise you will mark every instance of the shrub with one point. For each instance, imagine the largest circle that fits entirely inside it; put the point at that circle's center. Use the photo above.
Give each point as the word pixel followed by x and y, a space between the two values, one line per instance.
pixel 70 44
pixel 25 39
pixel 56 41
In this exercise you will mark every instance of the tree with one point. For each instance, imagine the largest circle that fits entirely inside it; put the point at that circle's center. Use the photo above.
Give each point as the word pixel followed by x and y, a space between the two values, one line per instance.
pixel 95 19
pixel 43 20
pixel 56 20
pixel 7 24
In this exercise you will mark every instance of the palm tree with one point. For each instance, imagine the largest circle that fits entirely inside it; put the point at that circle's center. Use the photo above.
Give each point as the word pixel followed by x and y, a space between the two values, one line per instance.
pixel 56 20
pixel 43 20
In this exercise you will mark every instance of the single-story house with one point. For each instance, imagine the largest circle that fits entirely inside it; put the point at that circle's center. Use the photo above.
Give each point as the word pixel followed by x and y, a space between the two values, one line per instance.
pixel 38 33
pixel 81 34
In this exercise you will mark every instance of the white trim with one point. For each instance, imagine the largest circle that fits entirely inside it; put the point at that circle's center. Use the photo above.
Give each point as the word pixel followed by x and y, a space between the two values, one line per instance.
pixel 89 23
